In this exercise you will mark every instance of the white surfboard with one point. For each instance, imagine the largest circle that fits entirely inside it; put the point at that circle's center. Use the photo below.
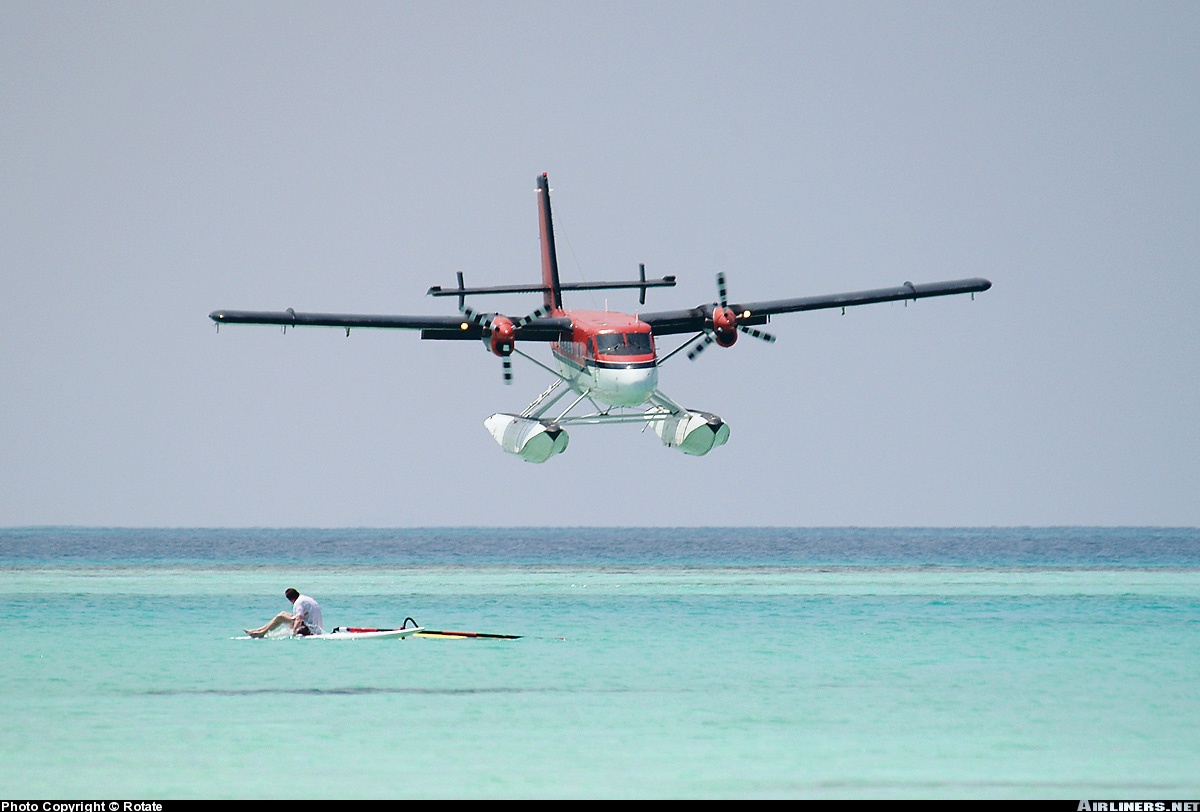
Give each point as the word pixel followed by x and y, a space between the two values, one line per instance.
pixel 364 634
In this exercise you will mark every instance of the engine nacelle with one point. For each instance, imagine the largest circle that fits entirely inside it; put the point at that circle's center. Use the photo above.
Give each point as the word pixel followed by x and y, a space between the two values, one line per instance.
pixel 695 433
pixel 501 340
pixel 531 440
pixel 724 327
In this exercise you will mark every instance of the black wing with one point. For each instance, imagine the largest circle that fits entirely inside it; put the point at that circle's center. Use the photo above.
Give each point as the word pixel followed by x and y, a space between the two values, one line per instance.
pixel 432 327
pixel 669 322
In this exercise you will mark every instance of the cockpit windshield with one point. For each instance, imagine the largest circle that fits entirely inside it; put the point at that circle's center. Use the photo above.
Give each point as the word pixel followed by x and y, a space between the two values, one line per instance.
pixel 624 344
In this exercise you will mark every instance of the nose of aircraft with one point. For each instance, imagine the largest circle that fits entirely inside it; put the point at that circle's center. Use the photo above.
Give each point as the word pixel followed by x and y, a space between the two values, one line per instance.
pixel 628 387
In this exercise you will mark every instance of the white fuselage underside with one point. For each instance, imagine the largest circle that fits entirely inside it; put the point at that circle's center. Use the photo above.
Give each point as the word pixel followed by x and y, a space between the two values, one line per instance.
pixel 612 383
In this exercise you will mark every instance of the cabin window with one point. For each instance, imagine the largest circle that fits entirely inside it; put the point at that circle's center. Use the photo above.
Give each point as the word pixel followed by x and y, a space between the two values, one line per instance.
pixel 624 344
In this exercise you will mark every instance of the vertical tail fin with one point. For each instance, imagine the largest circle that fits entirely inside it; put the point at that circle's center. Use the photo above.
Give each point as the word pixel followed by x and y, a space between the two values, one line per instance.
pixel 552 297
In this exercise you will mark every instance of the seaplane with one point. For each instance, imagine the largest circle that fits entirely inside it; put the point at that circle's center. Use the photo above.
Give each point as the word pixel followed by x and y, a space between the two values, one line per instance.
pixel 605 362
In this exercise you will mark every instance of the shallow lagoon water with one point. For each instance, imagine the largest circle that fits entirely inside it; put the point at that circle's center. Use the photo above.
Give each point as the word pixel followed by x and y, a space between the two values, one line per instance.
pixel 654 663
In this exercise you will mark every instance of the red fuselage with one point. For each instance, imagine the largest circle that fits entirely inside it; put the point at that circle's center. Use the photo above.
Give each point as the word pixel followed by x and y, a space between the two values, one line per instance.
pixel 610 355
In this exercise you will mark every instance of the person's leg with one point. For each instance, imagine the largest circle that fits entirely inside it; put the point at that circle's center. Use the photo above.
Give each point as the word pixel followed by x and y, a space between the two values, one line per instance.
pixel 276 622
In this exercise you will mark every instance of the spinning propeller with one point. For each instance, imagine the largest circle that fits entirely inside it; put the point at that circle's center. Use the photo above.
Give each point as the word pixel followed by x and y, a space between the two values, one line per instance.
pixel 723 328
pixel 500 333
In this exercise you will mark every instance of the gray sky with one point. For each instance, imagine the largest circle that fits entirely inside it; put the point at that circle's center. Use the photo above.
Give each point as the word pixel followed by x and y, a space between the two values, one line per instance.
pixel 163 160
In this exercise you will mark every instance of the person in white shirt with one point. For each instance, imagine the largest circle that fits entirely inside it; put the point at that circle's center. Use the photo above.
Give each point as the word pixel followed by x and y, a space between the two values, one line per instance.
pixel 305 617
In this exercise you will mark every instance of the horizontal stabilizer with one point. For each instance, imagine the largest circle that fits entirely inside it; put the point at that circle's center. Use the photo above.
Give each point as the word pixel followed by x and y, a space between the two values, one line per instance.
pixel 664 282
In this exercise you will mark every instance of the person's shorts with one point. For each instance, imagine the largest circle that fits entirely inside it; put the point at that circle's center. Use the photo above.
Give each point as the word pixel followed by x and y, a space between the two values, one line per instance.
pixel 304 631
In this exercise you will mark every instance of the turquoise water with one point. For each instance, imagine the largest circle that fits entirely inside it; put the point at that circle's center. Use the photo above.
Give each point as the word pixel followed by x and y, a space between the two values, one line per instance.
pixel 1057 663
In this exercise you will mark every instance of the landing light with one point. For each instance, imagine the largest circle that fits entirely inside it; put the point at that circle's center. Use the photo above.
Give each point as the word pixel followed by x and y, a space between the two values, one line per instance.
pixel 745 314
pixel 463 326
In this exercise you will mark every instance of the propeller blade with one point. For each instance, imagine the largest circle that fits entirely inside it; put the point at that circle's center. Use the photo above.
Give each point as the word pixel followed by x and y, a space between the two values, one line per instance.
pixel 481 319
pixel 721 288
pixel 537 314
pixel 750 331
pixel 699 348
pixel 507 362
